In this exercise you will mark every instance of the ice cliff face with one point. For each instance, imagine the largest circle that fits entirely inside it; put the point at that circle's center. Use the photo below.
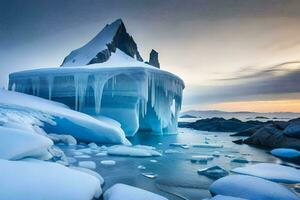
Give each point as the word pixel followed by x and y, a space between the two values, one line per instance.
pixel 112 37
pixel 108 77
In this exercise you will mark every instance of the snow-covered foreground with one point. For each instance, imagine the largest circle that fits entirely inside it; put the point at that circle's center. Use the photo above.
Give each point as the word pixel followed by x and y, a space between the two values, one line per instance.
pixel 35 114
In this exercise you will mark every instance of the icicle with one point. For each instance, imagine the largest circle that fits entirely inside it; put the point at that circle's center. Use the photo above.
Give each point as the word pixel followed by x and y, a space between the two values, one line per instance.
pixel 50 86
pixel 35 85
pixel 80 83
pixel 99 83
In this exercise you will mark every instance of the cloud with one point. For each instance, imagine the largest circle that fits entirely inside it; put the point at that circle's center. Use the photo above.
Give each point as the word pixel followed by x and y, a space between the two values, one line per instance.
pixel 273 82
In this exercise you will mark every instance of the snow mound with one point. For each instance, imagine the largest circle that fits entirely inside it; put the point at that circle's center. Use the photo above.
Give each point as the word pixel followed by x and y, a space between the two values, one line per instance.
pixel 29 112
pixel 17 144
pixel 36 180
pixel 285 153
pixel 122 150
pixel 251 188
pixel 272 172
pixel 90 172
pixel 121 191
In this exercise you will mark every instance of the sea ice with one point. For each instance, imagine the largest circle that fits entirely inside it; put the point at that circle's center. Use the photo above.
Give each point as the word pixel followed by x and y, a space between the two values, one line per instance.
pixel 87 164
pixel 36 180
pixel 272 172
pixel 122 150
pixel 17 144
pixel 240 160
pixel 149 175
pixel 171 151
pixel 251 188
pixel 141 167
pixel 201 158
pixel 108 162
pixel 121 192
pixel 285 153
pixel 204 145
pixel 214 172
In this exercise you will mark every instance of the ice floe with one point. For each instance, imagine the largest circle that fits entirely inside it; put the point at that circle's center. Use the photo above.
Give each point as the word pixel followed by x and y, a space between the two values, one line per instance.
pixel 270 171
pixel 149 175
pixel 286 153
pixel 87 164
pixel 214 172
pixel 121 192
pixel 122 150
pixel 251 188
pixel 201 158
pixel 108 162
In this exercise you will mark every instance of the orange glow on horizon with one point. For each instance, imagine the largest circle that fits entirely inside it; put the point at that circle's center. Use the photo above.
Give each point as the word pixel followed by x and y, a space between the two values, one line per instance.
pixel 259 106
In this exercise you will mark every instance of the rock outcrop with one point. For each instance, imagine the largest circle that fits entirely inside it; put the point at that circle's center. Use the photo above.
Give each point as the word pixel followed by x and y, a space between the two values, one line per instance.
pixel 113 36
pixel 153 59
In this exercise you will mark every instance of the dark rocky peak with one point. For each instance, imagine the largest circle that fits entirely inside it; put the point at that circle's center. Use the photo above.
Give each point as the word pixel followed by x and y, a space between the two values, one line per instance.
pixel 153 59
pixel 113 36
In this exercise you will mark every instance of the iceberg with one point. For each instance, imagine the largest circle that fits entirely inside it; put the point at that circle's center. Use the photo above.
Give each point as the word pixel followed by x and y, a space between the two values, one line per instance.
pixel 272 172
pixel 36 180
pixel 121 191
pixel 251 188
pixel 107 77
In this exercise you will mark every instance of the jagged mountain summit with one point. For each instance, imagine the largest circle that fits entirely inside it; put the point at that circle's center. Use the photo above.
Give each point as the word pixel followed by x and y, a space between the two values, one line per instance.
pixel 107 77
pixel 112 37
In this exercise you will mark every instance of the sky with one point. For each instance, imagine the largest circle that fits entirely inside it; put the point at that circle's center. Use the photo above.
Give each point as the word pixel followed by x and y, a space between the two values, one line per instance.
pixel 233 55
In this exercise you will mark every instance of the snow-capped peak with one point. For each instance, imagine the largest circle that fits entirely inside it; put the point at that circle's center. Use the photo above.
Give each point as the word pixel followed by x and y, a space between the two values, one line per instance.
pixel 113 36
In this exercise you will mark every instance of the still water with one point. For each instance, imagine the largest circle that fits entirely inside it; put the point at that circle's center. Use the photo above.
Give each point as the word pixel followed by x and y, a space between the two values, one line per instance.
pixel 176 176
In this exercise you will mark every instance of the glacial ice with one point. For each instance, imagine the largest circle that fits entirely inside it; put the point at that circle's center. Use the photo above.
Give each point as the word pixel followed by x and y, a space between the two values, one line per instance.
pixel 133 93
pixel 251 188
pixel 286 153
pixel 17 144
pixel 272 172
pixel 133 151
pixel 121 191
pixel 36 180
pixel 39 115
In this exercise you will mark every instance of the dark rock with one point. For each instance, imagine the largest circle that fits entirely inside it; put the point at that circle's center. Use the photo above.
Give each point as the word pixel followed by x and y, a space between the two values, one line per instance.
pixel 293 128
pixel 153 59
pixel 221 125
pixel 281 124
pixel 240 141
pixel 271 136
pixel 188 116
pixel 247 132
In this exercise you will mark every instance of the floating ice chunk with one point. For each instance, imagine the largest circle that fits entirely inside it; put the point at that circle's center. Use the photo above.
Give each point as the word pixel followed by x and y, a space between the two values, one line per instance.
pixel 82 156
pixel 214 172
pixel 204 145
pixel 201 158
pixel 252 188
pixel 141 167
pixel 149 175
pixel 286 153
pixel 272 172
pixel 222 197
pixel 85 150
pixel 182 145
pixel 145 147
pixel 108 162
pixel 121 191
pixel 102 154
pixel 171 151
pixel 93 145
pixel 35 180
pixel 90 172
pixel 121 150
pixel 87 164
pixel 17 144
pixel 66 139
pixel 240 160
pixel 153 161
